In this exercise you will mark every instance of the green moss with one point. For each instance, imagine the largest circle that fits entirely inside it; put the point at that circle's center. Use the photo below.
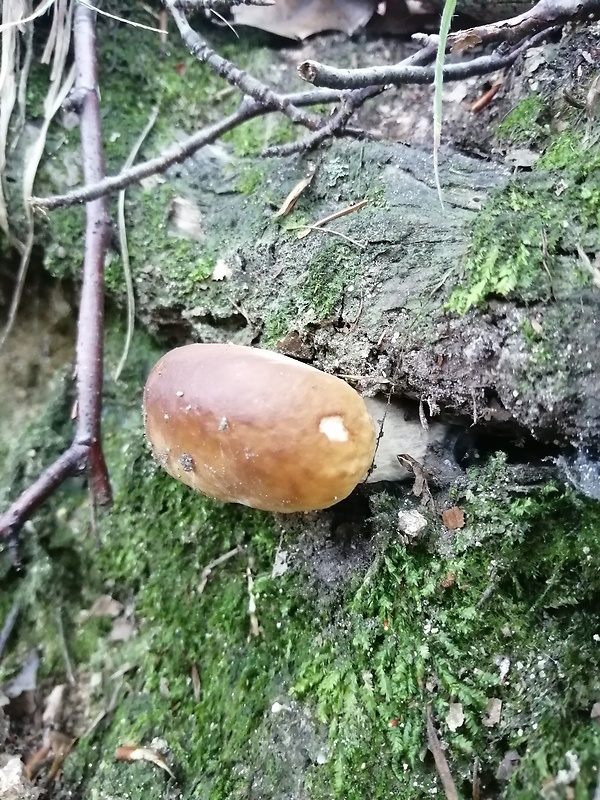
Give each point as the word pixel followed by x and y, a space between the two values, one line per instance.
pixel 250 179
pixel 363 660
pixel 330 271
pixel 524 590
pixel 525 241
pixel 320 289
pixel 251 138
pixel 525 123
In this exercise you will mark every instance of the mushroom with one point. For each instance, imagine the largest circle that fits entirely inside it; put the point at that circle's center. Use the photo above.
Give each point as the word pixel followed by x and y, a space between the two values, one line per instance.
pixel 255 427
pixel 251 426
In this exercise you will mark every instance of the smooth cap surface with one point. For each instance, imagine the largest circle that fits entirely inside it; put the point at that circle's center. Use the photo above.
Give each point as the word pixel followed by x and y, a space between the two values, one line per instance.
pixel 250 426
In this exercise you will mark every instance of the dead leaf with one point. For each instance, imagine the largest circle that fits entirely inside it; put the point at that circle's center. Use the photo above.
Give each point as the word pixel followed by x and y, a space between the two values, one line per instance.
pixel 453 518
pixel 493 710
pixel 466 41
pixel 295 194
pixel 53 710
pixel 420 486
pixel 592 268
pixel 105 606
pixel 128 752
pixel 455 717
pixel 592 103
pixel 298 19
pixel 122 629
pixel 503 664
pixel 536 327
pixel 280 564
pixel 448 581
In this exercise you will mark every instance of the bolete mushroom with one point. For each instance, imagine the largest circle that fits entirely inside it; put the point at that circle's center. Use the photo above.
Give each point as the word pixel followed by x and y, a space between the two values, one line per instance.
pixel 255 427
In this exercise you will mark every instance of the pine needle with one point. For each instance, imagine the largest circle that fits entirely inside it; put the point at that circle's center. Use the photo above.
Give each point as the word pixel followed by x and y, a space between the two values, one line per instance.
pixel 438 84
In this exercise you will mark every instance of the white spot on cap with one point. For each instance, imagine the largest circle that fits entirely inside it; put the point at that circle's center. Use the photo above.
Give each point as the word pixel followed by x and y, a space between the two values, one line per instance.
pixel 334 429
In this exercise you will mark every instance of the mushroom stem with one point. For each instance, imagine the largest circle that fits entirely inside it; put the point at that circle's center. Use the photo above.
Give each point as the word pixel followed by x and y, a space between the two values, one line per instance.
pixel 399 432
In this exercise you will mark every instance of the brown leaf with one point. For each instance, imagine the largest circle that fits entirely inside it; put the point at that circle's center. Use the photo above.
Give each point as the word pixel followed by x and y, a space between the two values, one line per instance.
pixel 298 19
pixel 453 518
pixel 129 752
pixel 420 486
pixel 448 581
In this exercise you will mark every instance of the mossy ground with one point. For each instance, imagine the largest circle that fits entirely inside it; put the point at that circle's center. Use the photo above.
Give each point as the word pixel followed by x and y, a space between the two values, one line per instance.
pixel 525 242
pixel 354 667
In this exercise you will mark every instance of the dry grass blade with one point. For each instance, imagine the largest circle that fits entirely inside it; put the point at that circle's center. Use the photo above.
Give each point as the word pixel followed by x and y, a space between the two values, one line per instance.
pixel 123 244
pixel 57 48
pixel 123 20
pixel 293 197
pixel 12 13
pixel 32 160
pixel 41 9
pixel 331 217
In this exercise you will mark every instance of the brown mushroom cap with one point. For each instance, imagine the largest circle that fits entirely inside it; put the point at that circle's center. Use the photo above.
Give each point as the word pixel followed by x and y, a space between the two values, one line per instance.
pixel 250 426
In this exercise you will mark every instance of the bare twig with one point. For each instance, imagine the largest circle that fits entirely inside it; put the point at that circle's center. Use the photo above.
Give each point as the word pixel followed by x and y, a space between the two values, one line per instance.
pixel 543 15
pixel 86 449
pixel 334 127
pixel 248 110
pixel 441 762
pixel 400 74
pixel 258 91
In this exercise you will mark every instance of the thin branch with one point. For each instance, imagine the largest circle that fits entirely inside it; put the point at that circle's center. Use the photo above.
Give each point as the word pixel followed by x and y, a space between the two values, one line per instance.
pixel 86 449
pixel 176 154
pixel 258 91
pixel 399 74
pixel 441 762
pixel 334 127
pixel 543 15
